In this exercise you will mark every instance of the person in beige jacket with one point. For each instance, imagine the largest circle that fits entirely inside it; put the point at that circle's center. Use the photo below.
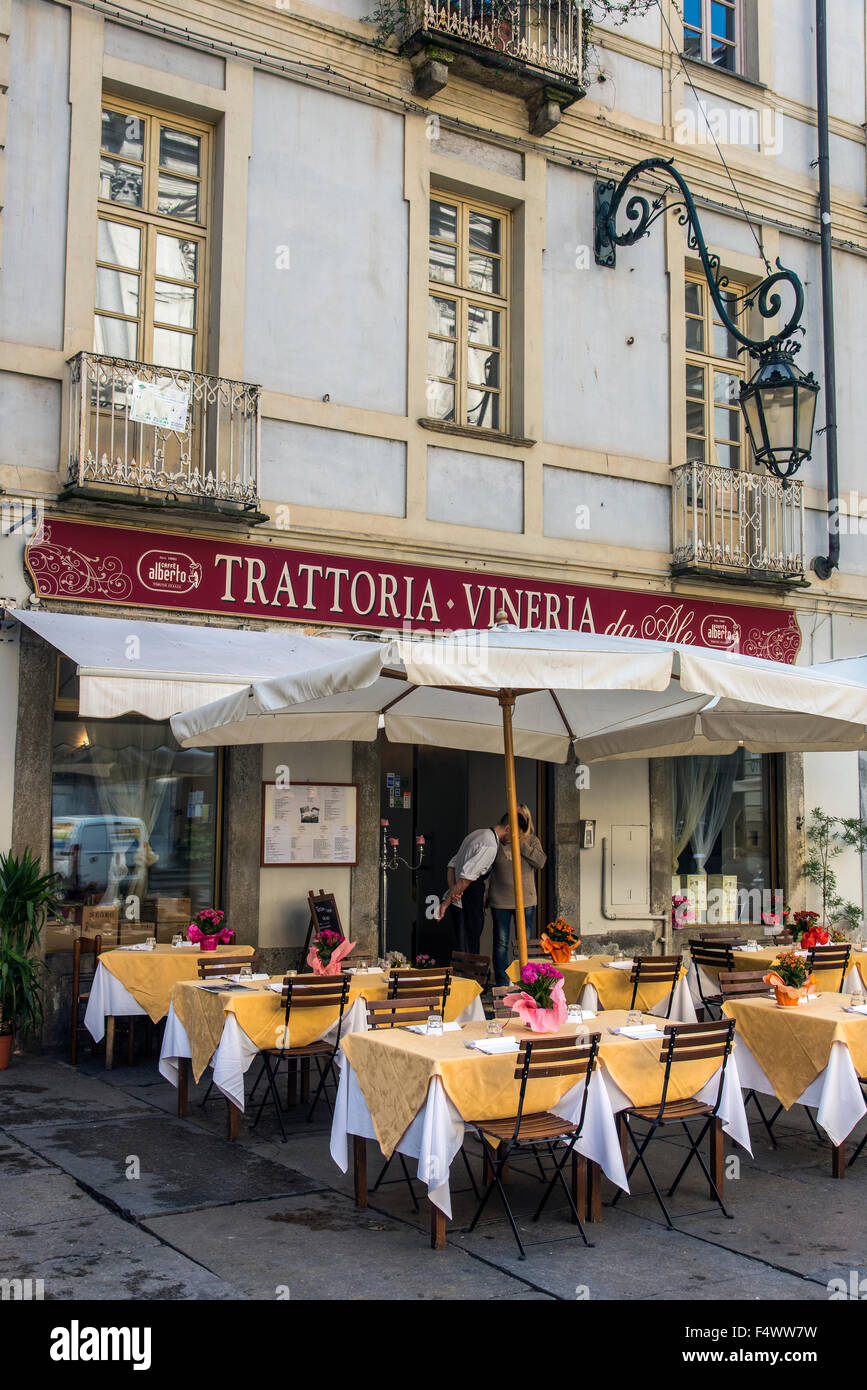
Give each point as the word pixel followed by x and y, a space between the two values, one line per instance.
pixel 501 890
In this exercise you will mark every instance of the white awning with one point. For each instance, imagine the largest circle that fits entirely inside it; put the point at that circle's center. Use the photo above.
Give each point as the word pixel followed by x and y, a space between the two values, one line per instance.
pixel 158 669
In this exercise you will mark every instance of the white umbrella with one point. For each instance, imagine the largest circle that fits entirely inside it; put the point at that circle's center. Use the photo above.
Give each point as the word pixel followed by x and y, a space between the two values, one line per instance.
pixel 522 693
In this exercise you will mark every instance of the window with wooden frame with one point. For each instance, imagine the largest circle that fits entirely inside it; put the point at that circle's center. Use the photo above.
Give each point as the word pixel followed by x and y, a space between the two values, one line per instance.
pixel 152 237
pixel 713 32
pixel 468 312
pixel 714 372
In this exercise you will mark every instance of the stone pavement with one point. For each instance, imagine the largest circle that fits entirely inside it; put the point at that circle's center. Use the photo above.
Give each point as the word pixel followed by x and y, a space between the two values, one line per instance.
pixel 106 1194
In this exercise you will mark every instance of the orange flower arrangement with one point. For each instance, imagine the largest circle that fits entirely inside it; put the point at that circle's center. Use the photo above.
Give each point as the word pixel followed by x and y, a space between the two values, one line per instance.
pixel 790 979
pixel 559 940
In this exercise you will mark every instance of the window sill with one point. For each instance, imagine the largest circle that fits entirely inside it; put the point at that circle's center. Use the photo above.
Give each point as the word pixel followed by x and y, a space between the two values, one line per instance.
pixel 740 78
pixel 514 441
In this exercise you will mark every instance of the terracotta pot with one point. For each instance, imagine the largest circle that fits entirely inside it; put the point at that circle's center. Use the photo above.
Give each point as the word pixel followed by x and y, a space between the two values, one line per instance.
pixel 209 943
pixel 785 1000
pixel 5 1050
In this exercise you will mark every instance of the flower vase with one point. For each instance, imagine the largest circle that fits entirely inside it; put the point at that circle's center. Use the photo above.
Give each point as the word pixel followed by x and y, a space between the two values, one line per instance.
pixel 787 998
pixel 559 951
pixel 209 943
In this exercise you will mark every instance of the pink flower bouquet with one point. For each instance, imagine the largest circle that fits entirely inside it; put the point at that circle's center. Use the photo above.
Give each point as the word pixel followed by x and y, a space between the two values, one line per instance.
pixel 327 952
pixel 540 1003
pixel 207 929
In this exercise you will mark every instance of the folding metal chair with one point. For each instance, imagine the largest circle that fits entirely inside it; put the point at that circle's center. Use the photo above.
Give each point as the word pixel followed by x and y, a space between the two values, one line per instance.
pixel 539 1059
pixel 428 982
pixel 745 984
pixel 835 957
pixel 469 967
pixel 209 966
pixel 715 956
pixel 82 946
pixel 682 1042
pixel 304 992
pixel 655 970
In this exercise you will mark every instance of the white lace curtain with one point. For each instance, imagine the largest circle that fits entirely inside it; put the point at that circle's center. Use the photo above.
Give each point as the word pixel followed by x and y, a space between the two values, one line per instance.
pixel 702 795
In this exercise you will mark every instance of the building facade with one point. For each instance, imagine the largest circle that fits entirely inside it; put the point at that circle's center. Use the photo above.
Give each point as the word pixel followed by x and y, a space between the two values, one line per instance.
pixel 301 326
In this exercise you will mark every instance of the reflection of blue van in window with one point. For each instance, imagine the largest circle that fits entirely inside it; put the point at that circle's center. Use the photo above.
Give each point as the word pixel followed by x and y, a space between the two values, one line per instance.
pixel 91 853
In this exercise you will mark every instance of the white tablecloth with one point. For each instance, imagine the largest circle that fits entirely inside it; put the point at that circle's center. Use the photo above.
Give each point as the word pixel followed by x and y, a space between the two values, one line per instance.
pixel 835 1094
pixel 682 1008
pixel 437 1132
pixel 236 1051
pixel 108 998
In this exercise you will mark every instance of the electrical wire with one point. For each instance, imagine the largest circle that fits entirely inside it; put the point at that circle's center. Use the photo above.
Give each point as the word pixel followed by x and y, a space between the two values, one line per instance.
pixel 686 74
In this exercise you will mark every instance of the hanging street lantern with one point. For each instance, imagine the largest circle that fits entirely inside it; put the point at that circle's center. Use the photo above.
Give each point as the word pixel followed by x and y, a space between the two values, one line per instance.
pixel 779 402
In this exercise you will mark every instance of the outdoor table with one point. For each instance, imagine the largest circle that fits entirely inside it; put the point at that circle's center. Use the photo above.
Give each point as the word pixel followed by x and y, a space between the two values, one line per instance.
pixel 231 1028
pixel 415 1094
pixel 763 959
pixel 598 981
pixel 809 1055
pixel 128 981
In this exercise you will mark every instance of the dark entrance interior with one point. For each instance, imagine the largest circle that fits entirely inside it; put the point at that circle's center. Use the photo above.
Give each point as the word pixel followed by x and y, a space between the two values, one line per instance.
pixel 450 793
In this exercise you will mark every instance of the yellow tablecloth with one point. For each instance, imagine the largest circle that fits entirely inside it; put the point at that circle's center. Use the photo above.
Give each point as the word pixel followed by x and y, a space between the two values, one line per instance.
pixel 151 975
pixel 825 980
pixel 260 1013
pixel 613 988
pixel 792 1046
pixel 394 1068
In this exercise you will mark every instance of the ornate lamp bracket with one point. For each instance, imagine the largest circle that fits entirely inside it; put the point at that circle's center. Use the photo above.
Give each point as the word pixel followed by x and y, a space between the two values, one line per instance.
pixel 642 211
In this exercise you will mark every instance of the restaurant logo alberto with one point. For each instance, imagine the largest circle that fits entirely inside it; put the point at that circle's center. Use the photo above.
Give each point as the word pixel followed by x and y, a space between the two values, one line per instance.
pixel 169 572
pixel 106 564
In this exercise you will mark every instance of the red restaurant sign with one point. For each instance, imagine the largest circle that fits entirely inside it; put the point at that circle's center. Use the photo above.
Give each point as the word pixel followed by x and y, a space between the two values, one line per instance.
pixel 197 574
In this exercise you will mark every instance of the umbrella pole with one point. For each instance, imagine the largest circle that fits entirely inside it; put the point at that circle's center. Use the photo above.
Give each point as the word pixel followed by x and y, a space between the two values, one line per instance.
pixel 507 701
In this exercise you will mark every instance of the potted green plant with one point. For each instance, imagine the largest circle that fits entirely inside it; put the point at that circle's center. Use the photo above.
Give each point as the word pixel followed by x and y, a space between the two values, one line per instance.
pixel 27 898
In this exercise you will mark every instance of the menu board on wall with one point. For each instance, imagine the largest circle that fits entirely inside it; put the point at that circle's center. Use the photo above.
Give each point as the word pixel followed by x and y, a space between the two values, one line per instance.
pixel 309 823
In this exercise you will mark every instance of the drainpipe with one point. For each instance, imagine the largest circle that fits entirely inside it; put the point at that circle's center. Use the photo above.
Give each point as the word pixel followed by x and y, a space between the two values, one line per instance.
pixel 824 565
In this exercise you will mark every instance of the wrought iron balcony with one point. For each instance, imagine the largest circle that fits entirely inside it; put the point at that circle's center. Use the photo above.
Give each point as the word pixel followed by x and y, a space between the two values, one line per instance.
pixel 143 433
pixel 737 523
pixel 531 48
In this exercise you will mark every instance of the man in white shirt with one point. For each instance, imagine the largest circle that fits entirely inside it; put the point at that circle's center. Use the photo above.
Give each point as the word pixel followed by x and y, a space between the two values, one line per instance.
pixel 467 871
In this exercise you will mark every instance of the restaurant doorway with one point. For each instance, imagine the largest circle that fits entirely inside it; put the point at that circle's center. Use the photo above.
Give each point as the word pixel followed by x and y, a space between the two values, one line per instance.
pixel 442 794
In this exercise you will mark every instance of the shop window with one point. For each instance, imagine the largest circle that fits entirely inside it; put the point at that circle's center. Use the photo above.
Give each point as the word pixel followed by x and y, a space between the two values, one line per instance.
pixel 468 310
pixel 135 825
pixel 723 827
pixel 151 237
pixel 714 373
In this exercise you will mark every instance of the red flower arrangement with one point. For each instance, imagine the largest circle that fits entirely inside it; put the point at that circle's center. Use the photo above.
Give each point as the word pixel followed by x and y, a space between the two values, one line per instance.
pixel 811 933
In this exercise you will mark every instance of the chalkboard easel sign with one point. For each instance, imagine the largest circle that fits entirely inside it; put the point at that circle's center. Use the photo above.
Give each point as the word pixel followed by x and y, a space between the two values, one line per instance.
pixel 324 915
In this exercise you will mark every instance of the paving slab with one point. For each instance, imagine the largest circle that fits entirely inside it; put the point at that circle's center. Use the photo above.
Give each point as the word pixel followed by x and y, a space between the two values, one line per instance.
pixel 172 1165
pixel 320 1246
pixel 41 1091
pixel 94 1254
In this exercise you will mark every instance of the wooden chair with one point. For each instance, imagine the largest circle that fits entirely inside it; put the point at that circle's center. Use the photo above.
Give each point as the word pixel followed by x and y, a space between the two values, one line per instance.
pixel 498 994
pixel 534 949
pixel 745 984
pixel 304 992
pixel 732 935
pixel 210 965
pixel 435 982
pixel 718 956
pixel 470 967
pixel 682 1042
pixel 539 1059
pixel 81 946
pixel 834 957
pixel 654 970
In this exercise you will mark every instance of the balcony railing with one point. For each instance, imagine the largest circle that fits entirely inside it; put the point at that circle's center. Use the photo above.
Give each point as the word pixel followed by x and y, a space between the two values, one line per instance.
pixel 139 431
pixel 737 523
pixel 545 34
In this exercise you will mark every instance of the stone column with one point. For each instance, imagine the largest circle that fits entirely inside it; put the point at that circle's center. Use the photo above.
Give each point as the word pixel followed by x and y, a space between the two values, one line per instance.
pixel 31 808
pixel 792 840
pixel 364 882
pixel 242 841
pixel 567 857
pixel 660 847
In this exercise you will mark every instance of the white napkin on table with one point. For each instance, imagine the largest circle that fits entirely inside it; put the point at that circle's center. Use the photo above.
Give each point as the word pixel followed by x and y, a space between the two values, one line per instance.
pixel 137 946
pixel 236 979
pixel 422 1028
pixel 618 965
pixel 640 1030
pixel 492 1045
pixel 857 1009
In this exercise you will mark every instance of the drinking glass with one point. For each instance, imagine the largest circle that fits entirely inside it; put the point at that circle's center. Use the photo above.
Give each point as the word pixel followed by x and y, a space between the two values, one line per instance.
pixel 245 974
pixel 634 1019
pixel 752 945
pixel 177 939
pixel 434 1025
pixel 494 1027
pixel 855 1000
pixel 574 1013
